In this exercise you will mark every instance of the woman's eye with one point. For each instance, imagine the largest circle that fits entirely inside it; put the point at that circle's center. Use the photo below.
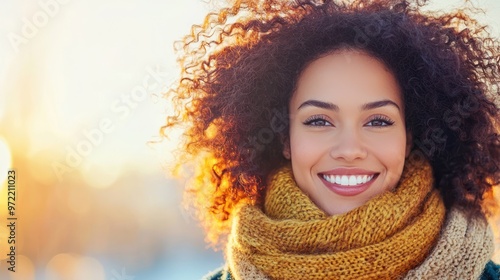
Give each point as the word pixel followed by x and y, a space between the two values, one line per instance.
pixel 380 122
pixel 317 122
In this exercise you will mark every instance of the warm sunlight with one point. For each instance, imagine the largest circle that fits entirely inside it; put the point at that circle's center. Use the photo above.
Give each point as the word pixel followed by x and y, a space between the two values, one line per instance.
pixel 5 161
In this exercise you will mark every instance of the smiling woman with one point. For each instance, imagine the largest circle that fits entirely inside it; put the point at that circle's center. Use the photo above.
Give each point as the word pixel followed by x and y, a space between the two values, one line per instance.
pixel 345 130
pixel 385 164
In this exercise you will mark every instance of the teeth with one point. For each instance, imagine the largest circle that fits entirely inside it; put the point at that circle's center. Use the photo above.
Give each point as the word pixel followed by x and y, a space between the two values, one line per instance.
pixel 352 180
pixel 345 180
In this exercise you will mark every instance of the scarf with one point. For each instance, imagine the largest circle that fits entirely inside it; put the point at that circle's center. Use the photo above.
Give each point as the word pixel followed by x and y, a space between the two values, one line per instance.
pixel 387 238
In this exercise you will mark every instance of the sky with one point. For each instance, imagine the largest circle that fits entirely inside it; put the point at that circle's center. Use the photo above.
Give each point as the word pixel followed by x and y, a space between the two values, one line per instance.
pixel 81 86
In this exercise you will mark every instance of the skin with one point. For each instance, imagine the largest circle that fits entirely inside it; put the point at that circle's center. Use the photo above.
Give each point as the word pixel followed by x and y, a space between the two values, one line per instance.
pixel 357 123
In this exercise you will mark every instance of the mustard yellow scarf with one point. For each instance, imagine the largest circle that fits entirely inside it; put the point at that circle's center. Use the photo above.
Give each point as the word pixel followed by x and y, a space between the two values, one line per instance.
pixel 292 239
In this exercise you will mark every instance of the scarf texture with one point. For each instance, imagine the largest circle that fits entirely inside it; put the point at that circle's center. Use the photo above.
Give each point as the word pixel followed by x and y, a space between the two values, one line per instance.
pixel 401 234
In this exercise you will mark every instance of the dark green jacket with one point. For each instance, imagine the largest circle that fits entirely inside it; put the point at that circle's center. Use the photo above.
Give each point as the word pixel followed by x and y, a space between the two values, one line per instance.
pixel 491 272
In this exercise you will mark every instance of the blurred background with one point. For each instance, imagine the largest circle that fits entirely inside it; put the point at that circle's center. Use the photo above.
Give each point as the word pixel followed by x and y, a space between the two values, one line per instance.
pixel 81 86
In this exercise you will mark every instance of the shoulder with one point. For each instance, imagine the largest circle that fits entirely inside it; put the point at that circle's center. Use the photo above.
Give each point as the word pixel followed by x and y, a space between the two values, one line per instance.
pixel 218 274
pixel 491 271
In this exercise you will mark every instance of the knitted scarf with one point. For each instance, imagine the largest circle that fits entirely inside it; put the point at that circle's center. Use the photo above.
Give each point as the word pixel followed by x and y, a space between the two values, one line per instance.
pixel 386 238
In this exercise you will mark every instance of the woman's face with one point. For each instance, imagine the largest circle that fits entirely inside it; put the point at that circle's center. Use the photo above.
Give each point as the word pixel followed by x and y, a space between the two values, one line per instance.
pixel 348 140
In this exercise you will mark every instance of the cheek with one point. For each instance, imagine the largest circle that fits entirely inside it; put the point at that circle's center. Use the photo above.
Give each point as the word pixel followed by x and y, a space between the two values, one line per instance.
pixel 306 148
pixel 392 143
pixel 391 152
pixel 305 154
pixel 388 148
pixel 302 148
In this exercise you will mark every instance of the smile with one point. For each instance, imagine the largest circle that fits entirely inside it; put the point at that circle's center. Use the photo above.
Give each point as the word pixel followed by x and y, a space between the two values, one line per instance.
pixel 348 180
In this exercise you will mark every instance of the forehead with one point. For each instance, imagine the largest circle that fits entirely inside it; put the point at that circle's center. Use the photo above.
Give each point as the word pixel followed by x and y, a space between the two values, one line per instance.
pixel 347 73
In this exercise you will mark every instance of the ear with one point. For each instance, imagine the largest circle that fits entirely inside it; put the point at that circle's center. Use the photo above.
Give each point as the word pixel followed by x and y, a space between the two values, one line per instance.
pixel 286 149
pixel 409 143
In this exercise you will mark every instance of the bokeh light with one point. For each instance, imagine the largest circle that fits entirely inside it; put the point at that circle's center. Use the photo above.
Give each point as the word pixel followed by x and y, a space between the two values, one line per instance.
pixel 74 267
pixel 5 161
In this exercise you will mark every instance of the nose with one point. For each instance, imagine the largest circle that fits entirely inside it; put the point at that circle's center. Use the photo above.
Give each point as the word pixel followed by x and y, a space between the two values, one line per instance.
pixel 348 146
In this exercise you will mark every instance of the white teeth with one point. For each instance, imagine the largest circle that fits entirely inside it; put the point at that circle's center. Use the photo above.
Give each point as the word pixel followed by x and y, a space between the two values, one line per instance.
pixel 345 180
pixel 352 180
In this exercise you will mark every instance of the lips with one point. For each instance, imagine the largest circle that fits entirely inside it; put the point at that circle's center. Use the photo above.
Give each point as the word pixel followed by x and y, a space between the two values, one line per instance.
pixel 348 182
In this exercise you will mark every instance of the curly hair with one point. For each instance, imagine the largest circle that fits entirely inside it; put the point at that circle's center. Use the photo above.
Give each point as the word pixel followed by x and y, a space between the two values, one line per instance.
pixel 240 67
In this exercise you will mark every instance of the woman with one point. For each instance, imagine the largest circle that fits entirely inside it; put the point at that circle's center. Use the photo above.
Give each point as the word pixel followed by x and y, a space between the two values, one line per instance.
pixel 343 141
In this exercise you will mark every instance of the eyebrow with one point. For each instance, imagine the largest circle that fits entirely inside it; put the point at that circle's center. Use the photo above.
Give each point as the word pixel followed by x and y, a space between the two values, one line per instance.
pixel 333 107
pixel 378 104
pixel 319 104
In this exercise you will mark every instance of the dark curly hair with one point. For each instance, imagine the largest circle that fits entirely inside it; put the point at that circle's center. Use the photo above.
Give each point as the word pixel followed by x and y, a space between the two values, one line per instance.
pixel 239 69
